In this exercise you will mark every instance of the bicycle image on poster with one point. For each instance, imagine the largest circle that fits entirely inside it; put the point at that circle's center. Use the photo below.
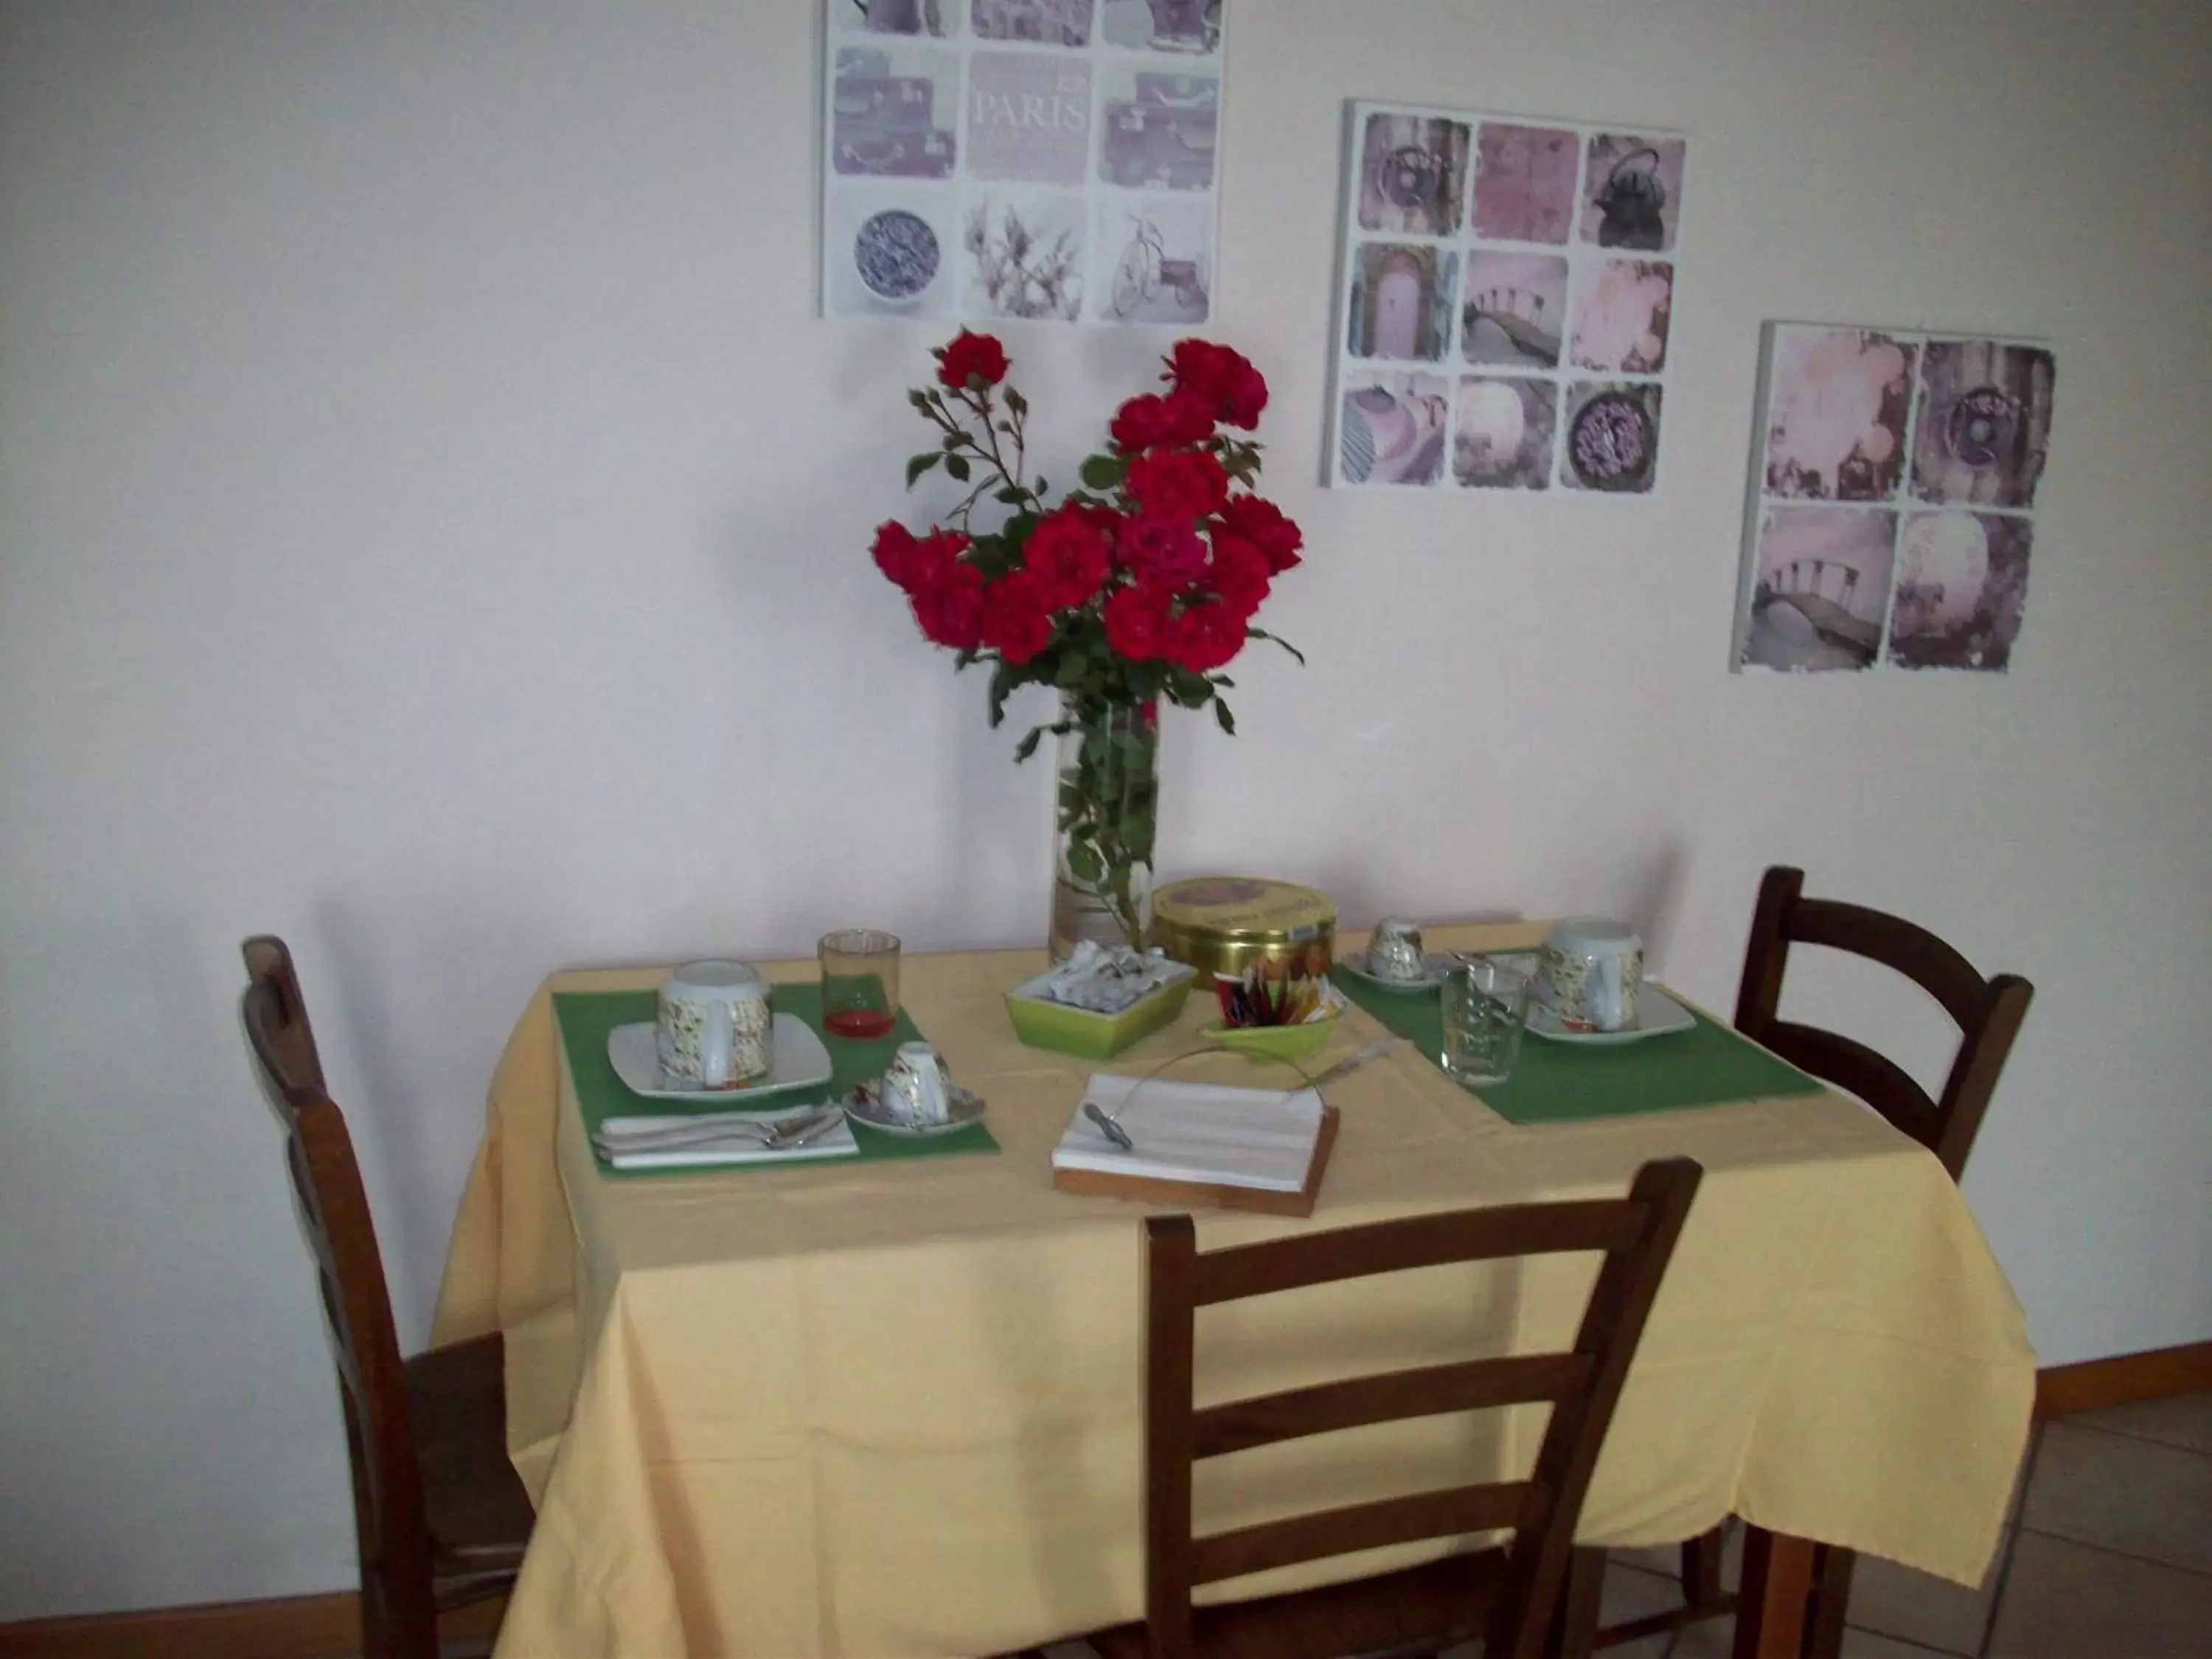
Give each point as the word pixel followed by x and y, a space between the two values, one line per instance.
pixel 1159 263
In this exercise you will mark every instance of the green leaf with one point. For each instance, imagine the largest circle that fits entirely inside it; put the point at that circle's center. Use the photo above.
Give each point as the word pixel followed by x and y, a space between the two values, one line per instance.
pixel 919 464
pixel 1015 402
pixel 1009 494
pixel 1084 864
pixel 1027 746
pixel 918 399
pixel 957 466
pixel 1262 633
pixel 1227 721
pixel 1003 682
pixel 1071 673
pixel 1104 471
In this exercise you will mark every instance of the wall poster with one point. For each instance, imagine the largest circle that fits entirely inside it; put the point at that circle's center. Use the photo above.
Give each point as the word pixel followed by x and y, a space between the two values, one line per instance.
pixel 1892 499
pixel 1504 303
pixel 1049 160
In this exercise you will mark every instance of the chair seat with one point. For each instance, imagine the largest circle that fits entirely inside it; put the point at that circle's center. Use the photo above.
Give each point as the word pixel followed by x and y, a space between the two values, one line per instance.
pixel 1420 1609
pixel 478 1512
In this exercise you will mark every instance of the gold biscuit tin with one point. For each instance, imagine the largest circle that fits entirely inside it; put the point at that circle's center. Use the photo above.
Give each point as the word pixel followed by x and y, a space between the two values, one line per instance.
pixel 1224 924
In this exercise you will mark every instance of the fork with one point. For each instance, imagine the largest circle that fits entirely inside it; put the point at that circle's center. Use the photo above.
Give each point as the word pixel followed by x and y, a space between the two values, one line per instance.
pixel 782 1135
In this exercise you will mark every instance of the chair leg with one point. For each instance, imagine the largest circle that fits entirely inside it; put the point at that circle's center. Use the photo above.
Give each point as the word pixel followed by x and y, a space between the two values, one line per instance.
pixel 1574 1625
pixel 1831 1594
pixel 1701 1567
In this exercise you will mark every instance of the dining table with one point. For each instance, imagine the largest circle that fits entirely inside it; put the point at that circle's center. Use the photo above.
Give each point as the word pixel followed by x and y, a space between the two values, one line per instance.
pixel 892 1405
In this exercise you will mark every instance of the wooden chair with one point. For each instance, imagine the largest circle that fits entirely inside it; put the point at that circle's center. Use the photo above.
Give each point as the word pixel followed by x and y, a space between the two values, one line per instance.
pixel 439 1517
pixel 1988 1013
pixel 1506 1595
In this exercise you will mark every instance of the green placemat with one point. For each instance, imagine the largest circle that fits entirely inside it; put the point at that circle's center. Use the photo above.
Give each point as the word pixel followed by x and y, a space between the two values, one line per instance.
pixel 587 1017
pixel 1570 1082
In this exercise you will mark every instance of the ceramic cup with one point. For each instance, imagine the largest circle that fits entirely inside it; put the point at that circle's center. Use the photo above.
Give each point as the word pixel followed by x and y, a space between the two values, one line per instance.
pixel 917 1086
pixel 1589 973
pixel 1395 951
pixel 715 1030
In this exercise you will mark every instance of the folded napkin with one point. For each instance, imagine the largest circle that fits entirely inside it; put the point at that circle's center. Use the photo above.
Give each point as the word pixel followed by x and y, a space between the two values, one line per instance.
pixel 1198 1131
pixel 627 1143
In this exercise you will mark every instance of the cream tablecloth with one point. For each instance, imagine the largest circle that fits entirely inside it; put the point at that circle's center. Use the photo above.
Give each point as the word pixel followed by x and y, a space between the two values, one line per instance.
pixel 893 1408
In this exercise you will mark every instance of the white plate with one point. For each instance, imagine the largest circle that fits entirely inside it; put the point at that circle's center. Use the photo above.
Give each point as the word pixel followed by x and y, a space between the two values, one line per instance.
pixel 1438 963
pixel 1656 1014
pixel 801 1062
pixel 862 1106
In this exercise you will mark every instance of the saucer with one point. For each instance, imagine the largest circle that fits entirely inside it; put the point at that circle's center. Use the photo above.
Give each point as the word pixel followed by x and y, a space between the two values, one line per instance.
pixel 801 1062
pixel 1656 1014
pixel 862 1106
pixel 1437 964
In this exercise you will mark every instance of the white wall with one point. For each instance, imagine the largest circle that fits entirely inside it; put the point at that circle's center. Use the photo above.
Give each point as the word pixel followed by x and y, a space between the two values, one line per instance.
pixel 432 526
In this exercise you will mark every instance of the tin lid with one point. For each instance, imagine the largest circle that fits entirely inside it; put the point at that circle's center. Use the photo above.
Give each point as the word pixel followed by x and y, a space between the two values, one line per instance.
pixel 1243 909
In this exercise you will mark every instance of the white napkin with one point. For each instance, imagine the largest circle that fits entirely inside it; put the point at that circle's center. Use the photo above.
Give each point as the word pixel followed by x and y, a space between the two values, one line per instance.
pixel 739 1148
pixel 1198 1131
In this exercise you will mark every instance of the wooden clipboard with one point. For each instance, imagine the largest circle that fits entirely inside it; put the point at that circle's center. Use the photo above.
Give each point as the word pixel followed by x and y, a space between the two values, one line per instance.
pixel 1188 1194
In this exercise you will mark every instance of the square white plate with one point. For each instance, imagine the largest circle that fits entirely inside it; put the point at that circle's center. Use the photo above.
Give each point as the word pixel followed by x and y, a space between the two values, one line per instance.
pixel 801 1062
pixel 1656 1014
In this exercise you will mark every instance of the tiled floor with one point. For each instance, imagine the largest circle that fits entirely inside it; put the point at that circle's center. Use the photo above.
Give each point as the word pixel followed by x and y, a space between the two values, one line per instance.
pixel 2111 1559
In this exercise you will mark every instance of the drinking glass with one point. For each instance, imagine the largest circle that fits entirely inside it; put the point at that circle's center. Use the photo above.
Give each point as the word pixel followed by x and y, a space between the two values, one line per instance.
pixel 1485 1008
pixel 859 982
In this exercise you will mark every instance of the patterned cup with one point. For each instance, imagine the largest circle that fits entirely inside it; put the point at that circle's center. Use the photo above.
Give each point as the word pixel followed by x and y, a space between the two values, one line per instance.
pixel 715 1030
pixel 1395 951
pixel 1589 973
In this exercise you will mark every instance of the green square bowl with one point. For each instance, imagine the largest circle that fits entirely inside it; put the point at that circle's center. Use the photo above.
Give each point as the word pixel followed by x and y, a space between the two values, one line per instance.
pixel 1095 1036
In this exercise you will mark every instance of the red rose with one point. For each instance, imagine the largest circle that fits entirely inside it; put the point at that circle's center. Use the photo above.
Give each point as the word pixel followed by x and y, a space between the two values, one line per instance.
pixel 1015 620
pixel 1137 424
pixel 932 556
pixel 1221 379
pixel 949 605
pixel 970 357
pixel 1179 485
pixel 1186 419
pixel 1204 638
pixel 1198 367
pixel 1070 556
pixel 1239 573
pixel 1137 621
pixel 894 552
pixel 1156 550
pixel 1262 524
pixel 1243 394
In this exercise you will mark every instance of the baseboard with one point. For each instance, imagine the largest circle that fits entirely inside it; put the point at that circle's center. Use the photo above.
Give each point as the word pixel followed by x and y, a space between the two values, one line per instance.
pixel 285 1627
pixel 2159 1373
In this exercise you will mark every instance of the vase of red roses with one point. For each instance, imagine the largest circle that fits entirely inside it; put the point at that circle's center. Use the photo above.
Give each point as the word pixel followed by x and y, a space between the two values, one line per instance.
pixel 1137 588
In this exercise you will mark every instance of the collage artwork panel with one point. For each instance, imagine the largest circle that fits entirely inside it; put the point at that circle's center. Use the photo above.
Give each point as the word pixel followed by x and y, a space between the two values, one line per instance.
pixel 1508 289
pixel 1893 489
pixel 1046 159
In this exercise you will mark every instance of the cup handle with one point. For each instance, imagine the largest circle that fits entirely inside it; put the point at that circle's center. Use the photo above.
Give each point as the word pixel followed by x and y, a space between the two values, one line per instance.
pixel 718 1040
pixel 1605 993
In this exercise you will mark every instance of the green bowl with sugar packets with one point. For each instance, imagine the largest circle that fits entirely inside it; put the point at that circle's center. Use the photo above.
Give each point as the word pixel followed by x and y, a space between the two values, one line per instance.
pixel 1055 1026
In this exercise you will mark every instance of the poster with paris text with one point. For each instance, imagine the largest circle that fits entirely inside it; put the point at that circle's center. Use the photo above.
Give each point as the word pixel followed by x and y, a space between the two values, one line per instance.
pixel 1044 160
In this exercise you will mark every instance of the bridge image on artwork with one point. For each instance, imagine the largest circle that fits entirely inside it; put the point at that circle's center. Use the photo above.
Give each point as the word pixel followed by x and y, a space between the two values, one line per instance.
pixel 1520 318
pixel 1821 591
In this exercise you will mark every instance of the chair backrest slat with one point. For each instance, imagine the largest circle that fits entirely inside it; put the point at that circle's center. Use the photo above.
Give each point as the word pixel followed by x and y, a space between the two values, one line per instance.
pixel 399 1612
pixel 1873 1078
pixel 1987 1011
pixel 1422 1391
pixel 1324 1533
pixel 1636 1234
pixel 1427 1241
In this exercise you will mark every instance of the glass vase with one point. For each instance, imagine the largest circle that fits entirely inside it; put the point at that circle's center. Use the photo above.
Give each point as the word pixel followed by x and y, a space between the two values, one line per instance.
pixel 1107 795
